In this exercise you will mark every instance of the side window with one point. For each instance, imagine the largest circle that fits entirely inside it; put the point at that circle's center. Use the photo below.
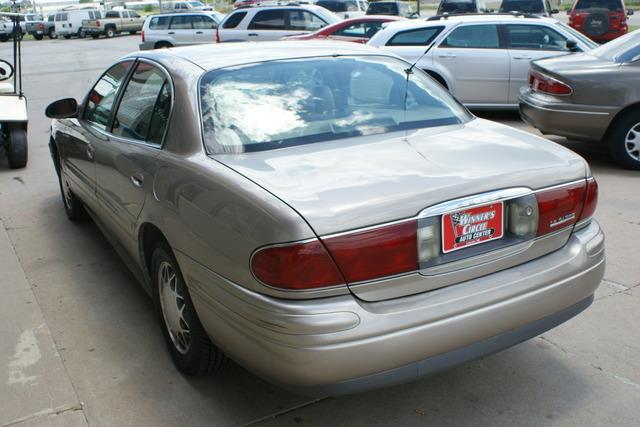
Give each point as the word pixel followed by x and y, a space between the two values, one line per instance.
pixel 534 37
pixel 268 20
pixel 353 30
pixel 160 117
pixel 51 18
pixel 159 23
pixel 100 101
pixel 233 20
pixel 419 37
pixel 351 6
pixel 201 22
pixel 474 37
pixel 302 20
pixel 112 14
pixel 133 14
pixel 138 105
pixel 180 22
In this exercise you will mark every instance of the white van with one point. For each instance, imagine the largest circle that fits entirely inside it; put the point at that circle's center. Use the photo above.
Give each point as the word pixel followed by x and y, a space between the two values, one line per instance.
pixel 69 22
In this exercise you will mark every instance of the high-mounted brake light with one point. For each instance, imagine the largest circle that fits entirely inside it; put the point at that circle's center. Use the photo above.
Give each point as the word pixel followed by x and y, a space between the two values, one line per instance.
pixel 547 84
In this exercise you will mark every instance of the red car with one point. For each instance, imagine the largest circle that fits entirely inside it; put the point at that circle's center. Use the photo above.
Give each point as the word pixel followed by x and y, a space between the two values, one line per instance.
pixel 357 30
pixel 600 20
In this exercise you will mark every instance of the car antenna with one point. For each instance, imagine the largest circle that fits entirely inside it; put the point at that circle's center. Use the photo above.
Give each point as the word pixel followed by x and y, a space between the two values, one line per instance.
pixel 409 71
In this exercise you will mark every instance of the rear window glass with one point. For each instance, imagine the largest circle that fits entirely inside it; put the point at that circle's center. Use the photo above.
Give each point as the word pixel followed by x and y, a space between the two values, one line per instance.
pixel 419 37
pixel 159 23
pixel 233 20
pixel 295 102
pixel 611 5
pixel 457 6
pixel 525 6
pixel 182 22
pixel 268 20
pixel 382 8
pixel 622 49
pixel 333 6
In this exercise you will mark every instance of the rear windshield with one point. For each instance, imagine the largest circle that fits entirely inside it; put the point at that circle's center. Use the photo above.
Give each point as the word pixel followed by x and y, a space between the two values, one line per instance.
pixel 622 49
pixel 611 5
pixel 525 6
pixel 382 8
pixel 285 103
pixel 457 6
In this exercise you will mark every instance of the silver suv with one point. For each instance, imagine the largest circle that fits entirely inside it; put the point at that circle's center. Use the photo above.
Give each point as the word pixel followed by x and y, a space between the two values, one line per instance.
pixel 178 29
pixel 264 23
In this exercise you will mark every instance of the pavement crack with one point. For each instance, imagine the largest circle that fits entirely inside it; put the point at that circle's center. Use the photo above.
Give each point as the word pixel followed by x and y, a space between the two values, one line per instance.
pixel 284 412
pixel 45 413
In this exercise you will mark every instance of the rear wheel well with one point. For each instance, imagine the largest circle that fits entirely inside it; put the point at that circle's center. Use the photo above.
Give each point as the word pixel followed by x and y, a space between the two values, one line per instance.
pixel 161 44
pixel 150 236
pixel 437 77
pixel 621 113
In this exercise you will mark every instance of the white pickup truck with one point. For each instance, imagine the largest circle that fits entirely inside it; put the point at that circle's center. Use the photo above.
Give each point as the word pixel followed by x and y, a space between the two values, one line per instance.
pixel 114 22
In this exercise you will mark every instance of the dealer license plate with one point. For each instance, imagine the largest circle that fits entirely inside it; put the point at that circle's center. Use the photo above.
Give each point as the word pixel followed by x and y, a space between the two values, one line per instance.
pixel 472 226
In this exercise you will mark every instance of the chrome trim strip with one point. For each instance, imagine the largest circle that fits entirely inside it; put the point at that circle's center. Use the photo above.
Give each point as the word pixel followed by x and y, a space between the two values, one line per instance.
pixel 475 200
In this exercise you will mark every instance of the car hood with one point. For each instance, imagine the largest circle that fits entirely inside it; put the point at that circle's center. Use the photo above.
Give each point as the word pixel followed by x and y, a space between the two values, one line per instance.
pixel 582 61
pixel 351 183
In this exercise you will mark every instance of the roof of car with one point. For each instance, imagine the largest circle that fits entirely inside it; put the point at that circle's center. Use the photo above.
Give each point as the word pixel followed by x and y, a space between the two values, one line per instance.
pixel 456 19
pixel 220 55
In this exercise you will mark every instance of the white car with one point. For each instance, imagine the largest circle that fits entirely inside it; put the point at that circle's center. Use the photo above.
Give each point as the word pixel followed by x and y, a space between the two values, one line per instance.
pixel 264 23
pixel 178 29
pixel 345 9
pixel 482 59
pixel 69 22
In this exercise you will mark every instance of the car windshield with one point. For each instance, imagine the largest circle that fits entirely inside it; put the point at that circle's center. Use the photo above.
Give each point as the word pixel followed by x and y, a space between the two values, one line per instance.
pixel 457 6
pixel 610 5
pixel 622 49
pixel 284 103
pixel 382 8
pixel 578 35
pixel 525 6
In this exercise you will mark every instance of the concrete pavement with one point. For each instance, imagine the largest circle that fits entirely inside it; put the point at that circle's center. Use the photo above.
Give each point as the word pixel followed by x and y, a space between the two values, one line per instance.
pixel 80 343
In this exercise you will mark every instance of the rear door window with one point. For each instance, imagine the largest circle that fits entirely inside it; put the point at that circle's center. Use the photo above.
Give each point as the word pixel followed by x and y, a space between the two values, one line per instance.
pixel 302 20
pixel 233 20
pixel 268 20
pixel 97 110
pixel 112 14
pixel 418 37
pixel 201 22
pixel 181 22
pixel 360 29
pixel 473 37
pixel 138 105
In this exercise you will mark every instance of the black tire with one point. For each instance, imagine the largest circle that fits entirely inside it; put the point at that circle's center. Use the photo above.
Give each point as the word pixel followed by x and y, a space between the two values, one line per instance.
pixel 201 356
pixel 52 34
pixel 16 146
pixel 81 34
pixel 73 207
pixel 162 45
pixel 624 140
pixel 597 22
pixel 67 36
pixel 109 32
pixel 38 36
pixel 133 33
pixel 4 38
pixel 95 36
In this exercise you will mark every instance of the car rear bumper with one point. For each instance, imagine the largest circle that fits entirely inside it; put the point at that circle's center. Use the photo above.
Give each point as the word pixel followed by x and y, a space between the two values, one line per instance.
pixel 343 345
pixel 146 45
pixel 584 122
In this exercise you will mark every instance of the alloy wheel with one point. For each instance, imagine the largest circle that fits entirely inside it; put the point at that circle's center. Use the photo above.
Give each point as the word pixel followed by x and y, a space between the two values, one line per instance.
pixel 173 305
pixel 632 142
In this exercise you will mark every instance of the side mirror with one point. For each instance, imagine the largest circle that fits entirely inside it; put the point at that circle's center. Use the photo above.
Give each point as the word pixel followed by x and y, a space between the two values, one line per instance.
pixel 572 45
pixel 66 108
pixel 414 15
pixel 554 11
pixel 630 12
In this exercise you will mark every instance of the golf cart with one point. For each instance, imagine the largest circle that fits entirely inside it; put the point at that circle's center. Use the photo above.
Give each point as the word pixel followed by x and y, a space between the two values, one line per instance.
pixel 13 104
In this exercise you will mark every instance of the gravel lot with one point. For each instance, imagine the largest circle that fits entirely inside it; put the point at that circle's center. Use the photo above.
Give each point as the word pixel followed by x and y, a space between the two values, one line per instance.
pixel 79 343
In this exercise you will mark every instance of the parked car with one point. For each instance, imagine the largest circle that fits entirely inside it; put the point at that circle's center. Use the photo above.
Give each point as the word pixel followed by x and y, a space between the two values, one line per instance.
pixel 263 23
pixel 357 30
pixel 6 26
pixel 600 20
pixel 6 30
pixel 592 97
pixel 393 8
pixel 112 23
pixel 462 6
pixel 69 22
pixel 534 7
pixel 190 6
pixel 326 219
pixel 345 8
pixel 178 29
pixel 39 27
pixel 482 59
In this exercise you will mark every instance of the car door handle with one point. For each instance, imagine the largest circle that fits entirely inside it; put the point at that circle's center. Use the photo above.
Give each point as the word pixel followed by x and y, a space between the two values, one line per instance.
pixel 198 32
pixel 90 151
pixel 523 57
pixel 171 32
pixel 253 34
pixel 137 180
pixel 446 55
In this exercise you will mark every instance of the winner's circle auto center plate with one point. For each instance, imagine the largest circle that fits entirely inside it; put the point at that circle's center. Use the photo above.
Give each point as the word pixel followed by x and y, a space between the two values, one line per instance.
pixel 472 226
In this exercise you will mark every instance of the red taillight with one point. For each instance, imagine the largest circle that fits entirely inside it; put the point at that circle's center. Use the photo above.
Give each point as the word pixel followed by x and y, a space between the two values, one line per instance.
pixel 591 200
pixel 97 23
pixel 305 265
pixel 546 84
pixel 217 35
pixel 142 34
pixel 41 26
pixel 560 207
pixel 376 253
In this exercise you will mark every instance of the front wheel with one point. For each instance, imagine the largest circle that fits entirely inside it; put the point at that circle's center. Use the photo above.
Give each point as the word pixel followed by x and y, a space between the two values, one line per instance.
pixel 67 36
pixel 52 34
pixel 133 33
pixel 192 351
pixel 624 140
pixel 110 32
pixel 38 36
pixel 16 146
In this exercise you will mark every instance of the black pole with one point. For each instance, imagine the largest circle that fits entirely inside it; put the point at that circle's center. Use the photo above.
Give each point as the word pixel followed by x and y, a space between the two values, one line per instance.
pixel 16 23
